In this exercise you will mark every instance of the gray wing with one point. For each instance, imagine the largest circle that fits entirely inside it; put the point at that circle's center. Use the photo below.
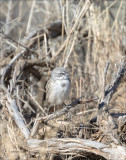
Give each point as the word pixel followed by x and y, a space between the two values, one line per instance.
pixel 48 89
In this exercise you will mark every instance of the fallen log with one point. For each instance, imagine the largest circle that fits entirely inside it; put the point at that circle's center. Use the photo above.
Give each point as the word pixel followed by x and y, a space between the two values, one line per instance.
pixel 75 146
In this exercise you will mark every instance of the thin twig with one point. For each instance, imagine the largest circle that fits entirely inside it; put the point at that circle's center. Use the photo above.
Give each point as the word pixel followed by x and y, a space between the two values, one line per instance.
pixel 65 110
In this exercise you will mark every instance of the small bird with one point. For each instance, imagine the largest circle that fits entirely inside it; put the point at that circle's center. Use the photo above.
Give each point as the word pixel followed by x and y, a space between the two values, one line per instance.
pixel 58 87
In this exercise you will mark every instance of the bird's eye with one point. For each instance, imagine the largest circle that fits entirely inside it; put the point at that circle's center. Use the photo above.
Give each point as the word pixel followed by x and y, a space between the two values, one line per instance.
pixel 61 74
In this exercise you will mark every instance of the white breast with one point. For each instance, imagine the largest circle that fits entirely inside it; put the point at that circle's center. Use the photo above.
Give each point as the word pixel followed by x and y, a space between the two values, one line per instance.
pixel 59 92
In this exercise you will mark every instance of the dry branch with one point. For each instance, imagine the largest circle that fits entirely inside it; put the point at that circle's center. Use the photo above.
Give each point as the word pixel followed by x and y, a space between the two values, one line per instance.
pixel 104 119
pixel 110 89
pixel 7 70
pixel 65 110
pixel 75 146
pixel 14 112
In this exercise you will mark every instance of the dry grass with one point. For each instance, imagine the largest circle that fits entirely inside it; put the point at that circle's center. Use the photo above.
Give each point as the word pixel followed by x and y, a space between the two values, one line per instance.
pixel 85 37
